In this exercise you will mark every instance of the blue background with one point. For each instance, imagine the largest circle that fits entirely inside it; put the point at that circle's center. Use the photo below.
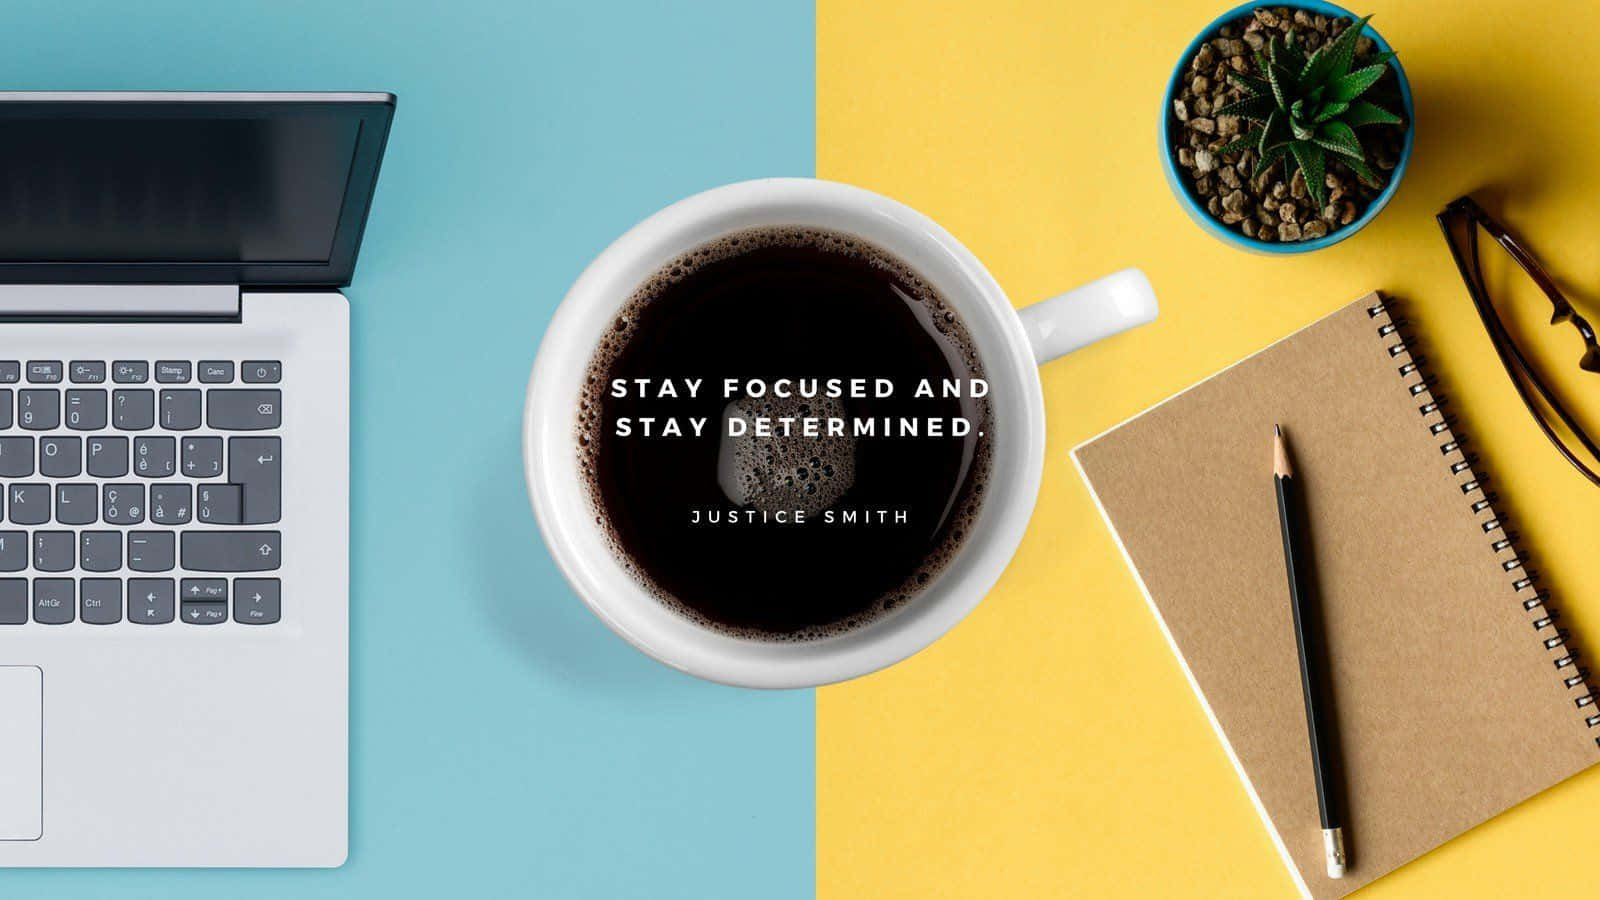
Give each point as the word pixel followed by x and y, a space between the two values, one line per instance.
pixel 502 740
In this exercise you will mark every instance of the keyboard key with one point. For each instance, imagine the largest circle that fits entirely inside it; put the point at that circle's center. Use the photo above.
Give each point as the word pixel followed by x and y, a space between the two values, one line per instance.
pixel 150 601
pixel 53 600
pixel 108 457
pixel 243 410
pixel 44 371
pixel 101 600
pixel 86 410
pixel 256 601
pixel 40 409
pixel 205 612
pixel 53 551
pixel 13 551
pixel 172 371
pixel 169 504
pixel 204 588
pixel 29 504
pixel 150 551
pixel 155 457
pixel 16 457
pixel 60 457
pixel 91 372
pixel 180 410
pixel 100 551
pixel 231 551
pixel 213 372
pixel 77 504
pixel 122 504
pixel 133 409
pixel 13 601
pixel 5 408
pixel 202 457
pixel 256 465
pixel 261 371
pixel 10 371
pixel 218 504
pixel 130 371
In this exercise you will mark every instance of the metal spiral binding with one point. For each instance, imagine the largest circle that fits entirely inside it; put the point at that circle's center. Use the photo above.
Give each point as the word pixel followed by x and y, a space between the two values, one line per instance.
pixel 1502 542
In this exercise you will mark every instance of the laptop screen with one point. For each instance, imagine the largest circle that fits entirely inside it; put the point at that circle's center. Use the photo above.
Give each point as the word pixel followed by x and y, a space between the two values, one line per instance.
pixel 271 186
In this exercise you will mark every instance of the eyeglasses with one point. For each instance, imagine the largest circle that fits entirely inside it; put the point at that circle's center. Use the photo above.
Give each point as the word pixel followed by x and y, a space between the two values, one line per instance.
pixel 1460 222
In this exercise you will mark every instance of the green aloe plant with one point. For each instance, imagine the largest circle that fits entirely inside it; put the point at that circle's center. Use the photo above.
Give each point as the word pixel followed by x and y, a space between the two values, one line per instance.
pixel 1308 107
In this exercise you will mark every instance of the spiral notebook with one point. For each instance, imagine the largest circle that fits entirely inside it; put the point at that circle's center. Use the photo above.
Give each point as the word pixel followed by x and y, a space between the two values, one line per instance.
pixel 1456 695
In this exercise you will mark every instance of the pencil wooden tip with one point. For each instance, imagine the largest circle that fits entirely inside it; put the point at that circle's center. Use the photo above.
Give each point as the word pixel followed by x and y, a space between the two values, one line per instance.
pixel 1280 455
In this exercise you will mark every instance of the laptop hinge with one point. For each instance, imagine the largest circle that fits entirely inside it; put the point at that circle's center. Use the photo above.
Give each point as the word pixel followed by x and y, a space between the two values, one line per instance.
pixel 119 301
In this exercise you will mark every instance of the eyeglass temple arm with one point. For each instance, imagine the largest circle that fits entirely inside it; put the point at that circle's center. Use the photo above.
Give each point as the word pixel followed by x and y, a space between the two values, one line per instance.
pixel 1511 357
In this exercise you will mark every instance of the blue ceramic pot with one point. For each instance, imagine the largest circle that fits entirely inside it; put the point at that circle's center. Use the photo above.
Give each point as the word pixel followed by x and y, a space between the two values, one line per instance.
pixel 1178 181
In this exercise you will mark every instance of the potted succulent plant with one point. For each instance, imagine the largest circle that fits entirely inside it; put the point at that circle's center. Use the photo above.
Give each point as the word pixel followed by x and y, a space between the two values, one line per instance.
pixel 1286 128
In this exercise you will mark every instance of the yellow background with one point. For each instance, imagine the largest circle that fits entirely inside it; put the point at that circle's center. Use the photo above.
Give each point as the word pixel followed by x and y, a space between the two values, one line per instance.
pixel 1049 745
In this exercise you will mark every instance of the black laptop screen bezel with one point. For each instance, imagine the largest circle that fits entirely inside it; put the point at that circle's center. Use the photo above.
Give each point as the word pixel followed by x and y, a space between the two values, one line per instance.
pixel 372 113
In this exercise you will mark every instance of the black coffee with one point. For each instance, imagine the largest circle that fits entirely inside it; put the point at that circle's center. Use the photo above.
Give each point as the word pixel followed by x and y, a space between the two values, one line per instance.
pixel 786 433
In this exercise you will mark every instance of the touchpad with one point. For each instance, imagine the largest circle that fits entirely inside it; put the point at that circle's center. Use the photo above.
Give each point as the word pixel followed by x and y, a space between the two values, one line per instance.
pixel 21 753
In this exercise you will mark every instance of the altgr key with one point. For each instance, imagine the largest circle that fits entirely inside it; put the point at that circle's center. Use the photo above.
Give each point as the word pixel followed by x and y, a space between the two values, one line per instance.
pixel 54 600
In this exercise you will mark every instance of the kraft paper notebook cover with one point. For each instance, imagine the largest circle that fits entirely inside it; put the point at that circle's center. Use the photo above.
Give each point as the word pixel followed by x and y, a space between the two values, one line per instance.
pixel 1449 704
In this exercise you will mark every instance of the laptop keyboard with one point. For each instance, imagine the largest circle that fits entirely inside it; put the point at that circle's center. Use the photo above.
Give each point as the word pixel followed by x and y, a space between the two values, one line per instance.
pixel 137 492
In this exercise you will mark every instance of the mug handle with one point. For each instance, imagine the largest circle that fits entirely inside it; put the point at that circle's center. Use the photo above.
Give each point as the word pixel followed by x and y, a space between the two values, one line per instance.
pixel 1086 314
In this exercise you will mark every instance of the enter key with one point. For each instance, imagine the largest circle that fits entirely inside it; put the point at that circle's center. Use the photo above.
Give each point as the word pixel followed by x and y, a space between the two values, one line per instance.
pixel 256 465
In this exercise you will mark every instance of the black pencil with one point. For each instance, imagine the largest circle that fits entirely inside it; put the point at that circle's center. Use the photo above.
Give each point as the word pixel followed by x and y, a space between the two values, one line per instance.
pixel 1313 664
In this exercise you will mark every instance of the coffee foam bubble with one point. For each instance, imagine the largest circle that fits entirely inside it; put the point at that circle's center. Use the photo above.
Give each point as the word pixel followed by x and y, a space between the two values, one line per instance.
pixel 775 471
pixel 615 340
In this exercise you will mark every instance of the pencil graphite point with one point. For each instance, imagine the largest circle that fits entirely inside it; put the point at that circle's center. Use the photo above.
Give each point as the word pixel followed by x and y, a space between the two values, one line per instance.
pixel 1280 455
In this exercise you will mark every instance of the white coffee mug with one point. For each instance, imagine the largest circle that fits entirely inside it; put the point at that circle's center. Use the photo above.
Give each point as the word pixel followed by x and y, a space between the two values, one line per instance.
pixel 1011 344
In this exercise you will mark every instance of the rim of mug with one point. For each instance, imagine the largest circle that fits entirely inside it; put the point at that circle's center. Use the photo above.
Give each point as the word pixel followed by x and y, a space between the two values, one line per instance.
pixel 626 606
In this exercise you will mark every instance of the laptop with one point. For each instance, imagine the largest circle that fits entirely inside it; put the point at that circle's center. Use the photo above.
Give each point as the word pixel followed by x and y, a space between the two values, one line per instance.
pixel 174 461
